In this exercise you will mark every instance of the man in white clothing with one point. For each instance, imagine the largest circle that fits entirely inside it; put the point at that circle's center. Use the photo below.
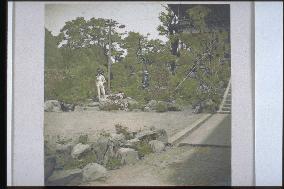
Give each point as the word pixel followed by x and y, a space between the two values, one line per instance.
pixel 100 85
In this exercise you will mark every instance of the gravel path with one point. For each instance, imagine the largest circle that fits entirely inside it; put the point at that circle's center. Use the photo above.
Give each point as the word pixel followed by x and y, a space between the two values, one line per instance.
pixel 75 123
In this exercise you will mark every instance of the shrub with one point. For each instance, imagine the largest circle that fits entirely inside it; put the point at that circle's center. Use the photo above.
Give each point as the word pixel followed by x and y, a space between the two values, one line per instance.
pixel 83 139
pixel 113 163
pixel 143 148
pixel 123 130
pixel 62 140
pixel 110 107
pixel 161 107
pixel 80 163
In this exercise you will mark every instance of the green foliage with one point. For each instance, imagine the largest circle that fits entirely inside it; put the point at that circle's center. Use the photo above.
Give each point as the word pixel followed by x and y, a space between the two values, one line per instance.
pixel 83 139
pixel 80 163
pixel 143 148
pixel 113 163
pixel 110 107
pixel 161 107
pixel 70 68
pixel 123 130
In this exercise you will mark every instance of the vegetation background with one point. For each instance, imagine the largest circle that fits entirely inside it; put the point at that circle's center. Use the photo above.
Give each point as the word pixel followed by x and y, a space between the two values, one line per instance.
pixel 190 67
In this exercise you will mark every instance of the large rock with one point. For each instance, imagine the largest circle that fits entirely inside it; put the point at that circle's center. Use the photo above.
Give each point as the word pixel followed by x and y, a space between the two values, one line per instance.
pixel 157 146
pixel 117 139
pixel 79 108
pixel 172 106
pixel 64 148
pixel 49 166
pixel 93 104
pixel 65 177
pixel 94 171
pixel 67 107
pixel 127 155
pixel 79 149
pixel 100 148
pixel 148 135
pixel 52 106
pixel 151 105
pixel 162 135
pixel 132 143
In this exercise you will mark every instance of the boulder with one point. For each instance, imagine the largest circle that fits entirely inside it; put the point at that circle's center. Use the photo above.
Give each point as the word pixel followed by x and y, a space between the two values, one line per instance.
pixel 93 104
pixel 64 148
pixel 147 109
pixel 100 148
pixel 132 143
pixel 49 166
pixel 162 135
pixel 151 104
pixel 157 146
pixel 67 107
pixel 79 149
pixel 127 155
pixel 65 177
pixel 79 108
pixel 117 139
pixel 172 106
pixel 148 135
pixel 52 106
pixel 94 171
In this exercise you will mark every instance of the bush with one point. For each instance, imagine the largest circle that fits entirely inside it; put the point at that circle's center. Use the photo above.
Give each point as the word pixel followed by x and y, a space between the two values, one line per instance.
pixel 161 107
pixel 135 106
pixel 143 148
pixel 123 130
pixel 113 163
pixel 109 107
pixel 76 163
pixel 83 139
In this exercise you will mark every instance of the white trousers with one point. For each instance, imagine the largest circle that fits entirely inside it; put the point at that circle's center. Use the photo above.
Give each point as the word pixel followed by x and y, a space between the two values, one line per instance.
pixel 101 90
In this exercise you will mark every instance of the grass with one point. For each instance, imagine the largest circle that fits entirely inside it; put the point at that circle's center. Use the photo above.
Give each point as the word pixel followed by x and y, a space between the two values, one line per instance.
pixel 161 107
pixel 143 148
pixel 113 163
pixel 80 163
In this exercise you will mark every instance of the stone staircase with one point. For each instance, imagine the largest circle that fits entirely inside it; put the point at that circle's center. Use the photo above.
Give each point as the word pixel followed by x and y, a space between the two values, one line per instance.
pixel 225 106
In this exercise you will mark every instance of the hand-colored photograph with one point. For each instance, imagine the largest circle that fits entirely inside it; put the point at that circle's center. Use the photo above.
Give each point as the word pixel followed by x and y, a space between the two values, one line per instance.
pixel 137 94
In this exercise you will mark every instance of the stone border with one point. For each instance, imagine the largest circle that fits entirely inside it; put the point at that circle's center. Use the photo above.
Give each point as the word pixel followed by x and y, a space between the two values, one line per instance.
pixel 178 136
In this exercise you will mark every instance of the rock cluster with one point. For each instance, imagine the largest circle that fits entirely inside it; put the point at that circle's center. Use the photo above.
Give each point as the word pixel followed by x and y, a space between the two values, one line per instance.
pixel 117 101
pixel 108 151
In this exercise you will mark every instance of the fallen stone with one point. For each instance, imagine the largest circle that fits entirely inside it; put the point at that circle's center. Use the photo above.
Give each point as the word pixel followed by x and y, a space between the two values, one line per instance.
pixel 157 146
pixel 79 149
pixel 65 177
pixel 94 171
pixel 52 106
pixel 127 155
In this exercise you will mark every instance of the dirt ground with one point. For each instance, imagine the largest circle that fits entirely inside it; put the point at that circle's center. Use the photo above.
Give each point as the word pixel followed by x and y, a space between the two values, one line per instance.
pixel 70 124
pixel 182 166
pixel 178 166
